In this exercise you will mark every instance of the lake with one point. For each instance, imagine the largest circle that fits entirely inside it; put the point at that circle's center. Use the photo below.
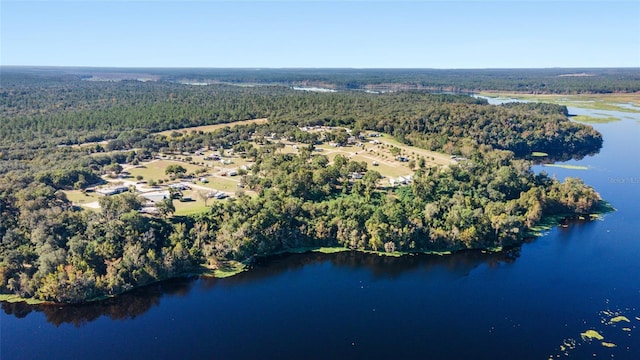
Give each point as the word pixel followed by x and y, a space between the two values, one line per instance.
pixel 531 302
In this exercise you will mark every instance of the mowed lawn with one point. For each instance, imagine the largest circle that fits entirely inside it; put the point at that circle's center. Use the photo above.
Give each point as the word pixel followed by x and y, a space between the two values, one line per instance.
pixel 226 184
pixel 190 207
pixel 79 198
pixel 387 168
pixel 196 205
pixel 209 128
pixel 155 170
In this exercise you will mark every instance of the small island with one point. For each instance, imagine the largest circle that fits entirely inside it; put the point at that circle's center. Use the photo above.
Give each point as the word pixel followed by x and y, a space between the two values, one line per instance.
pixel 116 185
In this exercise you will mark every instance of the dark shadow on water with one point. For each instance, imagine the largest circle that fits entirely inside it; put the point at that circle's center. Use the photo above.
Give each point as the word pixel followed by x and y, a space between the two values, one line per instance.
pixel 137 302
pixel 379 266
pixel 553 158
pixel 124 307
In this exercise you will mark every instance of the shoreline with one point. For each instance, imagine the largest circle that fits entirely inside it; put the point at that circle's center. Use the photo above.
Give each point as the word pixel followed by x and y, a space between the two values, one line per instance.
pixel 593 101
pixel 229 268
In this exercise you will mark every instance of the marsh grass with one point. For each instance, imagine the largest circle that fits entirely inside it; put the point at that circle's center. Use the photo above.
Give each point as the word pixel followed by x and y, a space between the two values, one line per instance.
pixel 228 268
pixel 595 120
pixel 591 334
pixel 11 298
pixel 609 102
pixel 567 166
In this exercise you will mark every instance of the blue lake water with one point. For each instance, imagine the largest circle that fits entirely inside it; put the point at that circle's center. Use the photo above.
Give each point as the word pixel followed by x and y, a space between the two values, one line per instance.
pixel 525 303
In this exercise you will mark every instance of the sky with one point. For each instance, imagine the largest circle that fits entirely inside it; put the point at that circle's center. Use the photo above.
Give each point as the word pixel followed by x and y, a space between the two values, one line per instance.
pixel 321 34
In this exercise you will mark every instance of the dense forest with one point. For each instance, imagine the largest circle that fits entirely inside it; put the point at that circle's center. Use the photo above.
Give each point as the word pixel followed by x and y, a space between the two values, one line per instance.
pixel 81 111
pixel 53 251
pixel 540 81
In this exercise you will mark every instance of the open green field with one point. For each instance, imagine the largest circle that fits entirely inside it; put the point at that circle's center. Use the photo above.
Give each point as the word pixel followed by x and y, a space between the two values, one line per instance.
pixel 209 128
pixel 386 168
pixel 156 169
pixel 226 183
pixel 79 198
pixel 412 152
pixel 212 166
pixel 614 102
pixel 191 207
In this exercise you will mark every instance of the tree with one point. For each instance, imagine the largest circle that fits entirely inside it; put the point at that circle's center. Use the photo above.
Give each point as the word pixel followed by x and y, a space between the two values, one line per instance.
pixel 370 181
pixel 175 193
pixel 203 196
pixel 115 205
pixel 114 168
pixel 165 207
pixel 175 169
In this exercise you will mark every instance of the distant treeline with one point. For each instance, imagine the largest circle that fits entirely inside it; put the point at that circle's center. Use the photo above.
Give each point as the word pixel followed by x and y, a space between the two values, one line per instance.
pixel 538 81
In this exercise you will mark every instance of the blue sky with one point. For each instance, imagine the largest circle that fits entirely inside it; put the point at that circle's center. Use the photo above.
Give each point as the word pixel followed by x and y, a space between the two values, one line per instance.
pixel 360 34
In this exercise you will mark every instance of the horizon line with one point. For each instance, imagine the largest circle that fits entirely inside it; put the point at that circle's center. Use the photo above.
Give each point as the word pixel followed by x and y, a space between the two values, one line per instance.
pixel 312 67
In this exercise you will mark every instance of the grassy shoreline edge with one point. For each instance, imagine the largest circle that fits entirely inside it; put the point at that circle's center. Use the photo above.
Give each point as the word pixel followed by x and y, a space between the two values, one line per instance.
pixel 605 102
pixel 230 268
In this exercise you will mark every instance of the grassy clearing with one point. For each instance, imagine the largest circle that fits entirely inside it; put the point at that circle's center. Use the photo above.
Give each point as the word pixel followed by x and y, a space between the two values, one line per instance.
pixel 78 197
pixel 290 149
pixel 384 168
pixel 210 128
pixel 155 170
pixel 198 160
pixel 226 184
pixel 195 206
pixel 567 166
pixel 413 152
pixel 190 207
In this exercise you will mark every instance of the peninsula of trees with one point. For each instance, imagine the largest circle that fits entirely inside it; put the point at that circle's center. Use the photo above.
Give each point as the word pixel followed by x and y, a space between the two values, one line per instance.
pixel 60 133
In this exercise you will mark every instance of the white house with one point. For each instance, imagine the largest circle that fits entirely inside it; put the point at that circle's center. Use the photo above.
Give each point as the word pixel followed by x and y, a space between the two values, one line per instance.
pixel 112 190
